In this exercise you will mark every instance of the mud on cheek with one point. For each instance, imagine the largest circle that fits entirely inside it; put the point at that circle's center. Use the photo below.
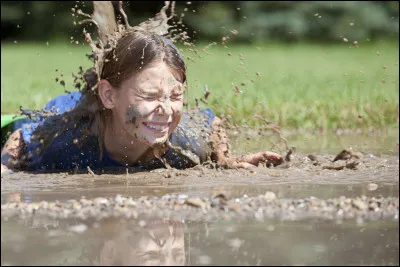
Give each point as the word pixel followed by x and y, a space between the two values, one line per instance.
pixel 132 114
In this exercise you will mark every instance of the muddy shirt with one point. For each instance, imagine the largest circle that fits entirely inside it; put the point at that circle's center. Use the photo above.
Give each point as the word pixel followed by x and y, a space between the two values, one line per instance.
pixel 65 153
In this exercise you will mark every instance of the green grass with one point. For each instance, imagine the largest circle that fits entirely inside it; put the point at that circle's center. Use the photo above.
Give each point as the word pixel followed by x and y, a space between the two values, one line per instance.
pixel 299 86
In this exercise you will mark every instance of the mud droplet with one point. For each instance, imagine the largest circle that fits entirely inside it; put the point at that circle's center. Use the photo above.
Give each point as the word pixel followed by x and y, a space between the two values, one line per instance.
pixel 355 43
pixel 345 40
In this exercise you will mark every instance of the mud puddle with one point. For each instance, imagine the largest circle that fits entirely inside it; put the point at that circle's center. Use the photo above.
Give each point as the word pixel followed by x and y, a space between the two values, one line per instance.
pixel 298 213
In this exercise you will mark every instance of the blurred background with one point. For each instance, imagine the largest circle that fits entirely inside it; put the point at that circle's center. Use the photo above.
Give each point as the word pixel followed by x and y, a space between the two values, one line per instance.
pixel 286 21
pixel 310 65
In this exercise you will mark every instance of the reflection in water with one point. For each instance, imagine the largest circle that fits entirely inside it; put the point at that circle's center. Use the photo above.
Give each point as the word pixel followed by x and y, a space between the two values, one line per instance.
pixel 158 242
pixel 155 241
pixel 110 242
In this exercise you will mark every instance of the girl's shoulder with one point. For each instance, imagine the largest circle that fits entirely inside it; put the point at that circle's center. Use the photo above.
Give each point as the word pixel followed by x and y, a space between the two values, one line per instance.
pixel 56 106
pixel 192 136
pixel 64 147
pixel 64 102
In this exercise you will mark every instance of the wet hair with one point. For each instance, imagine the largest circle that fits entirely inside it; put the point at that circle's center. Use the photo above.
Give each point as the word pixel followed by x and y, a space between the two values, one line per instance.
pixel 136 51
pixel 133 52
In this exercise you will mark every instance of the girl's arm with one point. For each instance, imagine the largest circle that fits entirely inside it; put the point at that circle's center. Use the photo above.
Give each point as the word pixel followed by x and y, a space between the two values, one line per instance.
pixel 221 151
pixel 11 155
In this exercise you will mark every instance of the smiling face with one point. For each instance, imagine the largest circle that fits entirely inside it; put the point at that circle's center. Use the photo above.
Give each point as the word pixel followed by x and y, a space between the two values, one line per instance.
pixel 148 106
pixel 159 243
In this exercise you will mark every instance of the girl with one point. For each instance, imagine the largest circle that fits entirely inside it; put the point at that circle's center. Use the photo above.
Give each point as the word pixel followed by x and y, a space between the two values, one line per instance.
pixel 131 117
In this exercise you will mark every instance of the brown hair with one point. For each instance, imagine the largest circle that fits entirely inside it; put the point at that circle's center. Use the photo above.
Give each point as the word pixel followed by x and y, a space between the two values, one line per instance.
pixel 133 52
pixel 136 51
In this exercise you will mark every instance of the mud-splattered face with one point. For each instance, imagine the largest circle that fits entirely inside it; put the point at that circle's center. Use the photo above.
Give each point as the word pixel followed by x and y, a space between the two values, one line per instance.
pixel 149 104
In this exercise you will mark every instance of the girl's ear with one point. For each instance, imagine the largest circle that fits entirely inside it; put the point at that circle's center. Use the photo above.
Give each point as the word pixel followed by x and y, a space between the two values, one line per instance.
pixel 107 94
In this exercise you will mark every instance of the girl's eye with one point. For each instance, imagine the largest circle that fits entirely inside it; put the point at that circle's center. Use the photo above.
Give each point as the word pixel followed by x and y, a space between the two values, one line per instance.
pixel 150 97
pixel 177 96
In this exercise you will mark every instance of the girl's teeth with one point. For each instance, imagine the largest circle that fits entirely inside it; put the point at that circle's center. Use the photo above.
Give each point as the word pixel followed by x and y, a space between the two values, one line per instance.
pixel 156 127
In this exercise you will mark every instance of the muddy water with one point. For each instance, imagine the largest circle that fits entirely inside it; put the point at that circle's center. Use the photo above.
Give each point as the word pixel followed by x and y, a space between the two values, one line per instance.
pixel 213 236
pixel 69 242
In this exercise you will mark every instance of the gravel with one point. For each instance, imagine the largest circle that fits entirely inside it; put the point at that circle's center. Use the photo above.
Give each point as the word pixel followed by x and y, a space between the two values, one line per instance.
pixel 262 207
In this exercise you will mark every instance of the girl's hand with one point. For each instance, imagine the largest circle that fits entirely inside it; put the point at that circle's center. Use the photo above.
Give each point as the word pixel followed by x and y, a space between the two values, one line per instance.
pixel 251 160
pixel 221 151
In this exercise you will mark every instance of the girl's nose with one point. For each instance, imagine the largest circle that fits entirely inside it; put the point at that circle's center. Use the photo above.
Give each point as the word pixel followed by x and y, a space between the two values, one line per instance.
pixel 164 107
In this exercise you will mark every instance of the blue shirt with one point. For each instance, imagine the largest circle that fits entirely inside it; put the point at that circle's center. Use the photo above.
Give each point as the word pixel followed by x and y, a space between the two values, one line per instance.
pixel 65 154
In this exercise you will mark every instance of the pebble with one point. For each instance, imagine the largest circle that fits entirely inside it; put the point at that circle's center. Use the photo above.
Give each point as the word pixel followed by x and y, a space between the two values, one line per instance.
pixel 372 187
pixel 269 196
pixel 196 202
pixel 204 260
pixel 80 228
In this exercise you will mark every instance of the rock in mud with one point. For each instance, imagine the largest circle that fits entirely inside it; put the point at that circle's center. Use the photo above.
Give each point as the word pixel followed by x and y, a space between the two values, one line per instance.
pixel 347 154
pixel 80 228
pixel 195 202
pixel 312 157
pixel 359 204
pixel 372 187
pixel 270 196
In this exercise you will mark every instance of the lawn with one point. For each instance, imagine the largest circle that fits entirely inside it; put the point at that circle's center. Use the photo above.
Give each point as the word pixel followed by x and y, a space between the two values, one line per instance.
pixel 306 86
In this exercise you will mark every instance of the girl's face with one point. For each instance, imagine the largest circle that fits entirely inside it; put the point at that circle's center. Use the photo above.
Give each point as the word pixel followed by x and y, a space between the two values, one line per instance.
pixel 148 106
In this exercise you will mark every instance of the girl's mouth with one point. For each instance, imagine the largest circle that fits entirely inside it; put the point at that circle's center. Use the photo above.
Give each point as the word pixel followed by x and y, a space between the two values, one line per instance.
pixel 157 127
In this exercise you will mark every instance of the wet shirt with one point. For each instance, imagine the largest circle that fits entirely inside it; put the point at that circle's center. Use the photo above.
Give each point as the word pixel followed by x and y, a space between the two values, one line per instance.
pixel 64 153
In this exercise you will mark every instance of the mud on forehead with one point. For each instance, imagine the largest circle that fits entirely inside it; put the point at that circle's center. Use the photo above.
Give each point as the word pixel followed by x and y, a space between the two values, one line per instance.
pixel 157 69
